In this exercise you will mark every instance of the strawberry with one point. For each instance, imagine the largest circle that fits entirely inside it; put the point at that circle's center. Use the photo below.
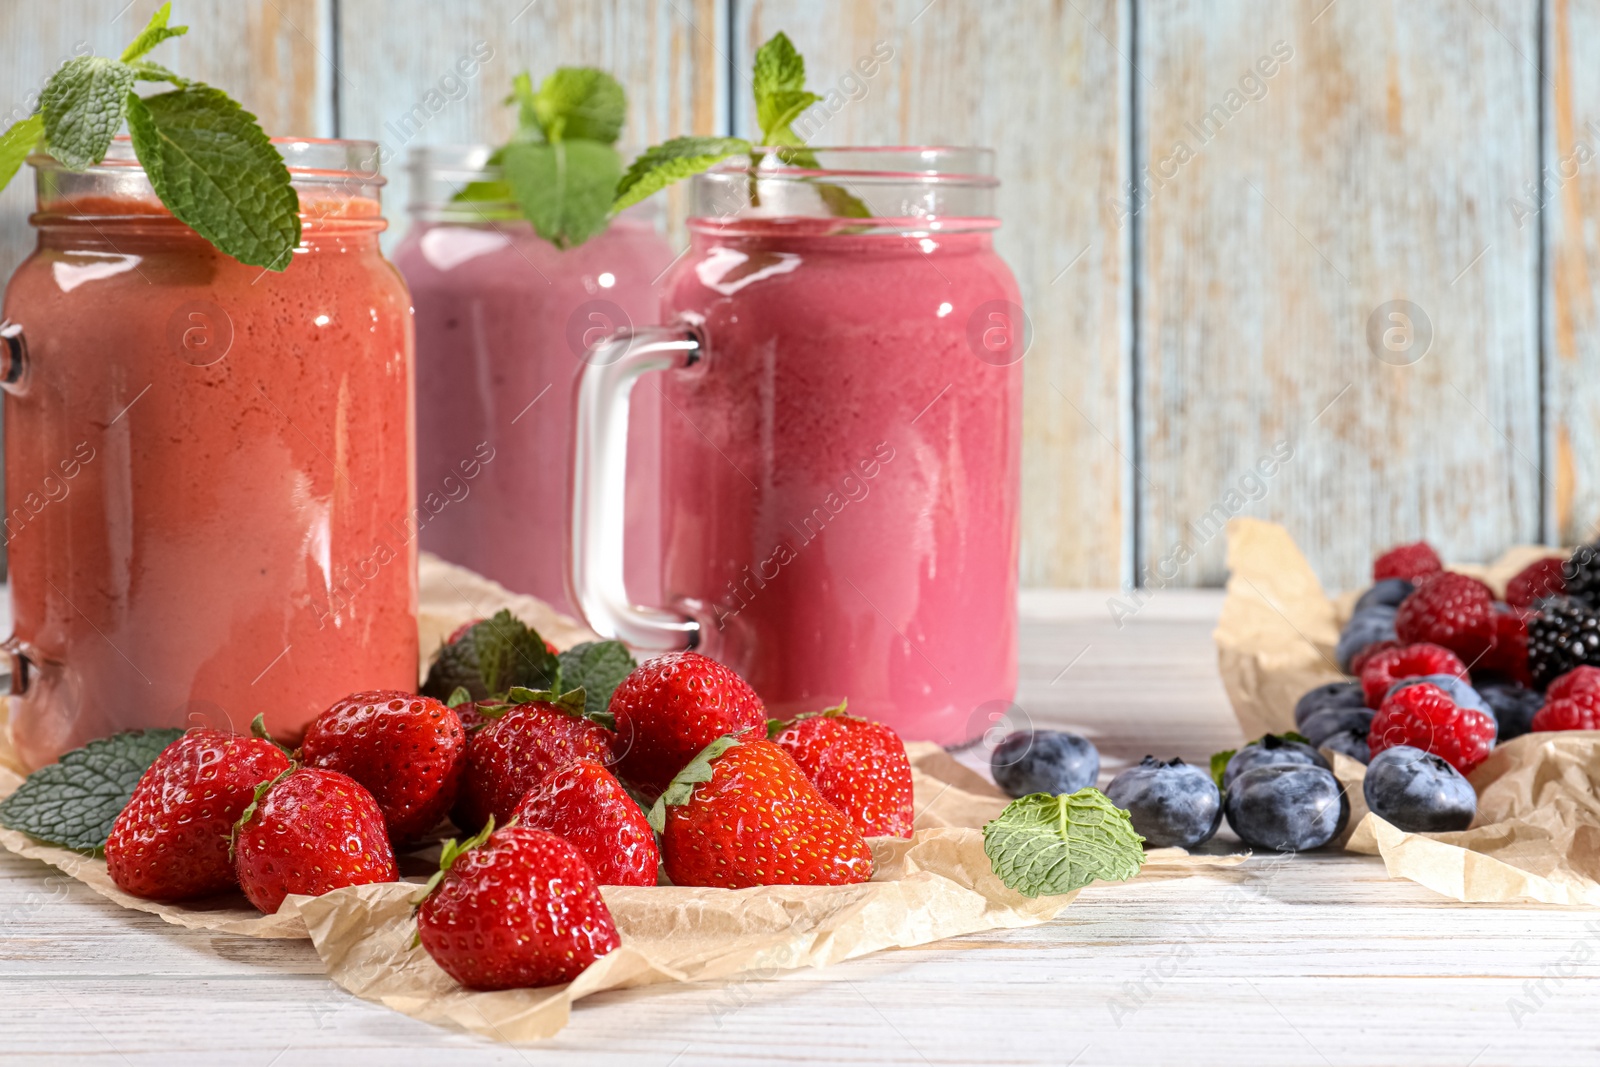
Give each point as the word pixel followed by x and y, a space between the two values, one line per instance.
pixel 1451 610
pixel 1412 562
pixel 673 706
pixel 509 755
pixel 310 831
pixel 743 813
pixel 514 907
pixel 406 750
pixel 170 842
pixel 585 804
pixel 859 765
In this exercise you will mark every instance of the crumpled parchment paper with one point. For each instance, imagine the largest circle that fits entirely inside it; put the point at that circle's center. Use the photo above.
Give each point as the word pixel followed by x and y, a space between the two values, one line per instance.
pixel 1537 833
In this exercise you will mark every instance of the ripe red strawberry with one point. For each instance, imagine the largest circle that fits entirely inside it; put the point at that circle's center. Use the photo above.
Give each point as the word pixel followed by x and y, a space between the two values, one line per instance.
pixel 509 756
pixel 1576 681
pixel 171 840
pixel 1580 712
pixel 1412 562
pixel 1536 581
pixel 743 813
pixel 859 765
pixel 1359 661
pixel 518 909
pixel 1408 661
pixel 1510 652
pixel 673 706
pixel 312 831
pixel 1451 610
pixel 1423 716
pixel 586 805
pixel 406 750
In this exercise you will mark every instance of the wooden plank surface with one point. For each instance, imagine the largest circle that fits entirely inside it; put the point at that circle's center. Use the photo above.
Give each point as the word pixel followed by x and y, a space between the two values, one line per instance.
pixel 1373 165
pixel 1046 86
pixel 1315 959
pixel 667 54
pixel 1567 203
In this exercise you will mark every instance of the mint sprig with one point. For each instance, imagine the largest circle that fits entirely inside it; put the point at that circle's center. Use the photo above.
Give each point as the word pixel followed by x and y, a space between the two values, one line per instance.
pixel 779 87
pixel 207 158
pixel 1043 845
pixel 597 667
pixel 74 801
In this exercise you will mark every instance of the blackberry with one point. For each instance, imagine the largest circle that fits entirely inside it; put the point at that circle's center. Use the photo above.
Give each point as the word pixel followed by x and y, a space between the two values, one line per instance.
pixel 1581 573
pixel 1562 634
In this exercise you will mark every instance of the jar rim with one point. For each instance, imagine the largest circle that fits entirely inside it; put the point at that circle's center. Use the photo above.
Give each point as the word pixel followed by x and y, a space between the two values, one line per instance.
pixel 310 160
pixel 942 164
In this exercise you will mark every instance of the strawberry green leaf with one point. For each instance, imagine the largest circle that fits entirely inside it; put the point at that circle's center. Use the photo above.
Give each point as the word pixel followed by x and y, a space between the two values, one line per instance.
pixel 580 104
pixel 597 667
pixel 16 143
pixel 153 34
pixel 1044 845
pixel 82 106
pixel 249 812
pixel 681 790
pixel 448 854
pixel 564 189
pixel 672 161
pixel 216 170
pixel 458 697
pixel 73 802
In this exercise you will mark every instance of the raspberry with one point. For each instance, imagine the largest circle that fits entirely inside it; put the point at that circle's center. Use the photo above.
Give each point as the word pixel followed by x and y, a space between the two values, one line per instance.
pixel 1574 682
pixel 1410 661
pixel 1509 655
pixel 1411 562
pixel 1535 582
pixel 1359 661
pixel 1573 713
pixel 1423 716
pixel 1451 610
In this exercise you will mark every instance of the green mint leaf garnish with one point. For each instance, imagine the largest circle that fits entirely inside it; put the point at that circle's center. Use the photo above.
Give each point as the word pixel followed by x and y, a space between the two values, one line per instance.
pixel 82 108
pixel 1219 764
pixel 153 34
pixel 779 85
pixel 579 104
pixel 672 161
pixel 564 189
pixel 597 667
pixel 522 95
pixel 73 802
pixel 216 170
pixel 511 653
pixel 681 789
pixel 146 71
pixel 16 143
pixel 1043 845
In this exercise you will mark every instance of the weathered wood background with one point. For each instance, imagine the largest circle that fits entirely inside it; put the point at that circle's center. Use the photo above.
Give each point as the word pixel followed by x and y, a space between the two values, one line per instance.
pixel 1212 207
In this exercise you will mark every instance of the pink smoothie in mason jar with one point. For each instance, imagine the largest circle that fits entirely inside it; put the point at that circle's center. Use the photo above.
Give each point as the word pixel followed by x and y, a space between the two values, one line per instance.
pixel 503 318
pixel 841 440
pixel 208 465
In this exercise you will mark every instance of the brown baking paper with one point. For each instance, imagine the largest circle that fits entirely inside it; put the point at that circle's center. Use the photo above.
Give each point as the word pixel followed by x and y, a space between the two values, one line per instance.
pixel 1537 833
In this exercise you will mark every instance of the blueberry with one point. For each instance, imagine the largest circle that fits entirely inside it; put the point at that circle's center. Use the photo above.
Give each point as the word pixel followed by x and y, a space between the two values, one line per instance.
pixel 1459 691
pixel 1171 803
pixel 1329 721
pixel 1287 807
pixel 1269 750
pixel 1331 695
pixel 1373 624
pixel 1352 743
pixel 1044 761
pixel 1387 593
pixel 1513 707
pixel 1419 792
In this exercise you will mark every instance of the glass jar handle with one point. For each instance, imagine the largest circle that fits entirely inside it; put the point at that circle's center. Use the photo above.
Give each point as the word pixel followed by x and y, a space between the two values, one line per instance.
pixel 13 356
pixel 599 485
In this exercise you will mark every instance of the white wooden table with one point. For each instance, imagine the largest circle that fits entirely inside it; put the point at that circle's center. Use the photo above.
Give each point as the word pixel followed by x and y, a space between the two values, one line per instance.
pixel 1315 959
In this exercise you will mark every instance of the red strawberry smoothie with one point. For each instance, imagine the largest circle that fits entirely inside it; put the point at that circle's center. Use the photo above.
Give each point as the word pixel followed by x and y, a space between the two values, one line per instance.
pixel 843 469
pixel 208 475
pixel 503 318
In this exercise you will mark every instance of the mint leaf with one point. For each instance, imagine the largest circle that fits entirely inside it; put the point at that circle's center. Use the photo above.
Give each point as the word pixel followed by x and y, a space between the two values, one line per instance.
pixel 1043 845
pixel 216 170
pixel 73 802
pixel 777 112
pixel 155 31
pixel 146 71
pixel 681 790
pixel 565 188
pixel 16 143
pixel 82 108
pixel 510 654
pixel 458 696
pixel 598 667
pixel 780 90
pixel 1219 764
pixel 580 104
pixel 523 96
pixel 672 161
